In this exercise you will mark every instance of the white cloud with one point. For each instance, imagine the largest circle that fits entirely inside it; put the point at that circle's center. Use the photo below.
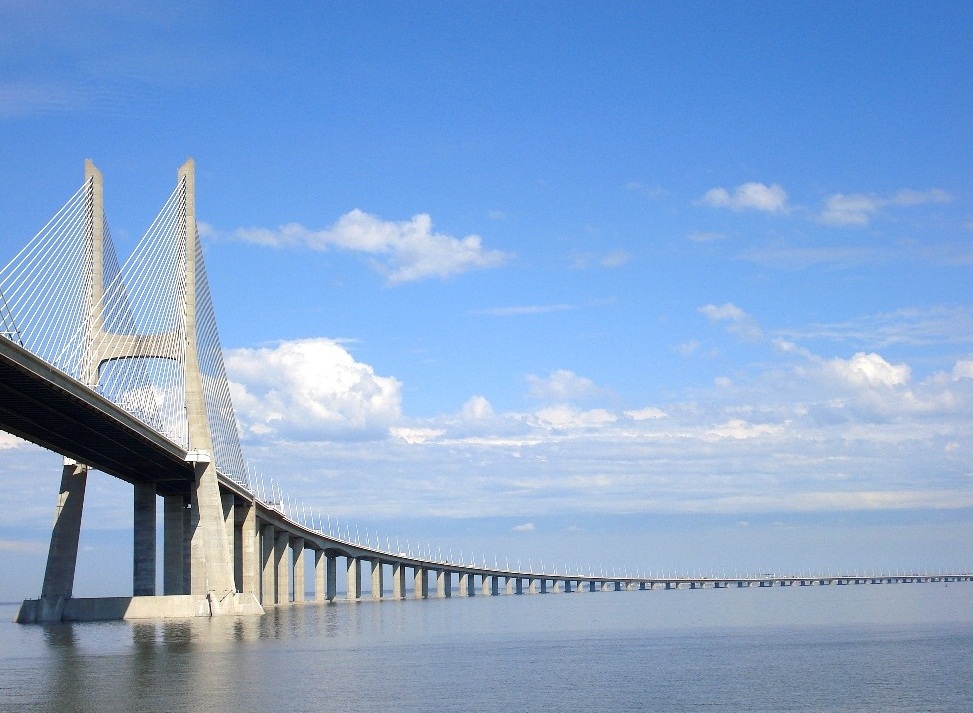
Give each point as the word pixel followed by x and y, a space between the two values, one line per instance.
pixel 477 409
pixel 565 417
pixel 8 441
pixel 310 386
pixel 869 370
pixel 563 386
pixel 403 251
pixel 738 322
pixel 526 527
pixel 963 370
pixel 645 414
pixel 415 436
pixel 859 208
pixel 748 196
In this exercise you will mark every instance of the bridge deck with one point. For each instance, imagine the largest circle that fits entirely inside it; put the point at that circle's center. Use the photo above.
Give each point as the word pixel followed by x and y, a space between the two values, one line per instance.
pixel 45 406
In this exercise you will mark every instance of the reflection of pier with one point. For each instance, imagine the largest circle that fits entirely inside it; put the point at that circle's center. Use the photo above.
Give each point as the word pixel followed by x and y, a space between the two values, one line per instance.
pixel 119 368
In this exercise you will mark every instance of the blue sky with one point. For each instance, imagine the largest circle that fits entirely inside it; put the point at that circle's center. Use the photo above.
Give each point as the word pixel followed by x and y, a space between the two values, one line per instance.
pixel 653 285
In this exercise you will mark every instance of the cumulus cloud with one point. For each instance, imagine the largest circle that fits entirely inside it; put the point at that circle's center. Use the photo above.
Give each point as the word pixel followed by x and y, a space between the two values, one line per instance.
pixel 525 527
pixel 869 370
pixel 857 209
pixel 403 251
pixel 737 321
pixel 477 409
pixel 748 196
pixel 310 387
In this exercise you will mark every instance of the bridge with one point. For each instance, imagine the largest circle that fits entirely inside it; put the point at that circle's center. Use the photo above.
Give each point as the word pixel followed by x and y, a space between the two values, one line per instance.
pixel 119 368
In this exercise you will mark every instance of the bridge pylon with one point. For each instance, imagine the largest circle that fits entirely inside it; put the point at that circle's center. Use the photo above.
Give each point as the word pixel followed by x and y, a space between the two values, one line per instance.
pixel 199 566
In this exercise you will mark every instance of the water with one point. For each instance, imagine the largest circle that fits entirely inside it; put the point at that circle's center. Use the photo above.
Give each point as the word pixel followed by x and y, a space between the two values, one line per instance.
pixel 878 647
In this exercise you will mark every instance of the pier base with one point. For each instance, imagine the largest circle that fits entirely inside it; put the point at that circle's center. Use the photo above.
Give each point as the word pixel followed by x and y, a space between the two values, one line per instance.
pixel 36 611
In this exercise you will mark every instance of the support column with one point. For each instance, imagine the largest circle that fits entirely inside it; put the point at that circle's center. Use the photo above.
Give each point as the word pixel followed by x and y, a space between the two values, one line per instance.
pixel 227 500
pixel 444 583
pixel 543 585
pixel 378 583
pixel 187 546
pixel 282 563
pixel 354 579
pixel 464 585
pixel 567 586
pixel 173 545
pixel 398 580
pixel 249 549
pixel 319 575
pixel 300 567
pixel 485 585
pixel 143 547
pixel 62 556
pixel 508 585
pixel 268 588
pixel 421 586
pixel 495 585
pixel 332 576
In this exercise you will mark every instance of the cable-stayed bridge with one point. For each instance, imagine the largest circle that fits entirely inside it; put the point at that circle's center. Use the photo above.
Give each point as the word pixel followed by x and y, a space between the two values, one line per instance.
pixel 118 367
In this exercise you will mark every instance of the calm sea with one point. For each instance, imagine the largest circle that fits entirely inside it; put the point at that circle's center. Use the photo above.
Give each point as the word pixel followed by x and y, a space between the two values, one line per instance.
pixel 870 647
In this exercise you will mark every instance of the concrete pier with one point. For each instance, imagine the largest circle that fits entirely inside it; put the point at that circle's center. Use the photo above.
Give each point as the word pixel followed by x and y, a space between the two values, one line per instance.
pixel 354 579
pixel 398 580
pixel 378 584
pixel 300 567
pixel 143 549
pixel 421 584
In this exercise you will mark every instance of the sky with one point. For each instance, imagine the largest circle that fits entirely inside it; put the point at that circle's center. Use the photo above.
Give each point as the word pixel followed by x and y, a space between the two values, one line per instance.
pixel 645 287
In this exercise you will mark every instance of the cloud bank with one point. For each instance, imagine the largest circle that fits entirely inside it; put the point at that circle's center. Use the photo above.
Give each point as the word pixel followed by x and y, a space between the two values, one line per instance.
pixel 800 432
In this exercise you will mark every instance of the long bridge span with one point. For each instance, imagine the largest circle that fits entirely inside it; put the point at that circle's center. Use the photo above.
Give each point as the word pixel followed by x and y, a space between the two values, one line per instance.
pixel 119 368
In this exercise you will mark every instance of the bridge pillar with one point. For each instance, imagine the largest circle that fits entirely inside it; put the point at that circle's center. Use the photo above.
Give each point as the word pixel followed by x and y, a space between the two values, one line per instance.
pixel 444 583
pixel 495 585
pixel 300 567
pixel 465 590
pixel 378 584
pixel 398 580
pixel 249 549
pixel 227 501
pixel 332 576
pixel 174 542
pixel 420 587
pixel 62 555
pixel 319 575
pixel 485 585
pixel 282 564
pixel 268 590
pixel 143 547
pixel 354 579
